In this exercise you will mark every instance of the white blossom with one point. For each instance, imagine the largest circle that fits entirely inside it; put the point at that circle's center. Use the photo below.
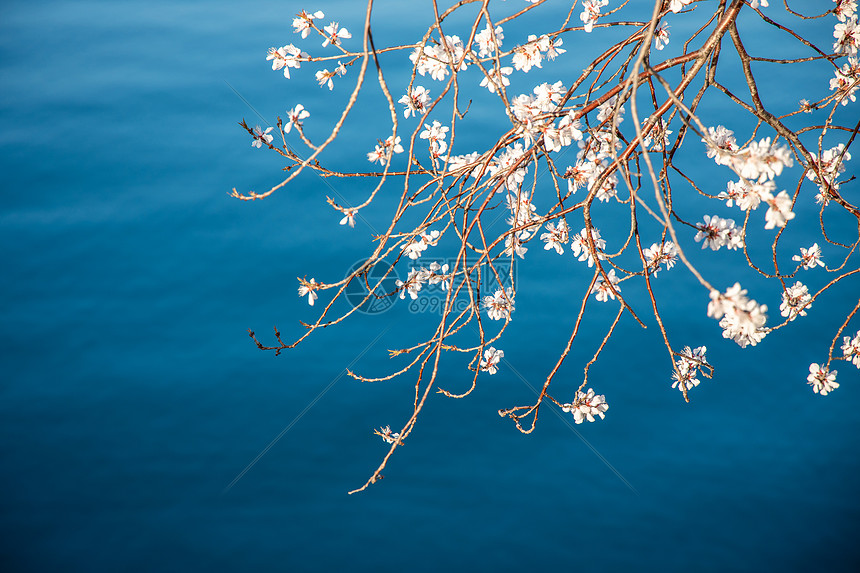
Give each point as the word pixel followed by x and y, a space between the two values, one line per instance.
pixel 591 11
pixel 387 435
pixel 822 379
pixel 261 137
pixel 308 288
pixel 831 164
pixel 721 144
pixel 556 236
pixel 489 40
pixel 845 9
pixel 286 57
pixel 490 361
pixel 348 217
pixel 661 36
pixel 604 290
pixel 846 81
pixel 717 232
pixel 417 100
pixel 295 117
pixel 779 209
pixel 851 349
pixel 665 253
pixel 847 36
pixel 325 77
pixel 795 300
pixel 412 285
pixel 335 35
pixel 435 134
pixel 302 22
pixel 746 194
pixel 809 258
pixel 529 55
pixel 687 367
pixel 496 79
pixel 384 149
pixel 678 5
pixel 586 406
pixel 579 246
pixel 500 305
pixel 741 318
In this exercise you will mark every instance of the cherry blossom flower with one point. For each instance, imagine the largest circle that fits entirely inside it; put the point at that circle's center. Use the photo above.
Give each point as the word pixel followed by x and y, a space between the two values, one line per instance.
pixel 384 149
pixel 438 275
pixel 500 305
pixel 665 253
pixel 387 435
pixel 746 194
pixel 677 5
pixel 607 109
pixel 831 164
pixel 659 134
pixel 809 258
pixel 417 100
pixel 414 248
pixel 302 22
pixel 721 144
pixel 779 209
pixel 490 361
pixel 822 379
pixel 514 246
pixel 412 285
pixel 591 11
pixel 586 406
pixel 325 77
pixel 845 9
pixel 528 55
pixel 309 288
pixel 851 349
pixel 687 367
pixel 581 250
pixel 847 36
pixel 603 290
pixel 760 160
pixel 505 166
pixel 497 78
pixel 576 176
pixel 741 318
pixel 717 232
pixel 335 35
pixel 489 40
pixel 295 117
pixel 556 236
pixel 286 57
pixel 551 47
pixel 846 81
pixel 261 137
pixel 795 300
pixel 661 36
pixel 349 217
pixel 435 134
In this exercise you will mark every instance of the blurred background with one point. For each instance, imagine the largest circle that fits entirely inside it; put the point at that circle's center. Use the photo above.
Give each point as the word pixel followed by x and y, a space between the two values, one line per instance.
pixel 142 429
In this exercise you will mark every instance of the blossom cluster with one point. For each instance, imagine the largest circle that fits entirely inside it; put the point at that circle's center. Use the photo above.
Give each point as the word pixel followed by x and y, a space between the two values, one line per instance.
pixel 586 406
pixel 741 318
pixel 434 274
pixel 686 374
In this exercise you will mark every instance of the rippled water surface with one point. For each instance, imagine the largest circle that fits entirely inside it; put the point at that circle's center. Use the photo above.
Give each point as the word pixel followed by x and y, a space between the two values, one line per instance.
pixel 131 396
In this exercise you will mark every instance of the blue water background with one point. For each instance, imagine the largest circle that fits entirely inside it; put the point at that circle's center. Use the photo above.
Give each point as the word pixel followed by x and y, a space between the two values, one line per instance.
pixel 131 396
